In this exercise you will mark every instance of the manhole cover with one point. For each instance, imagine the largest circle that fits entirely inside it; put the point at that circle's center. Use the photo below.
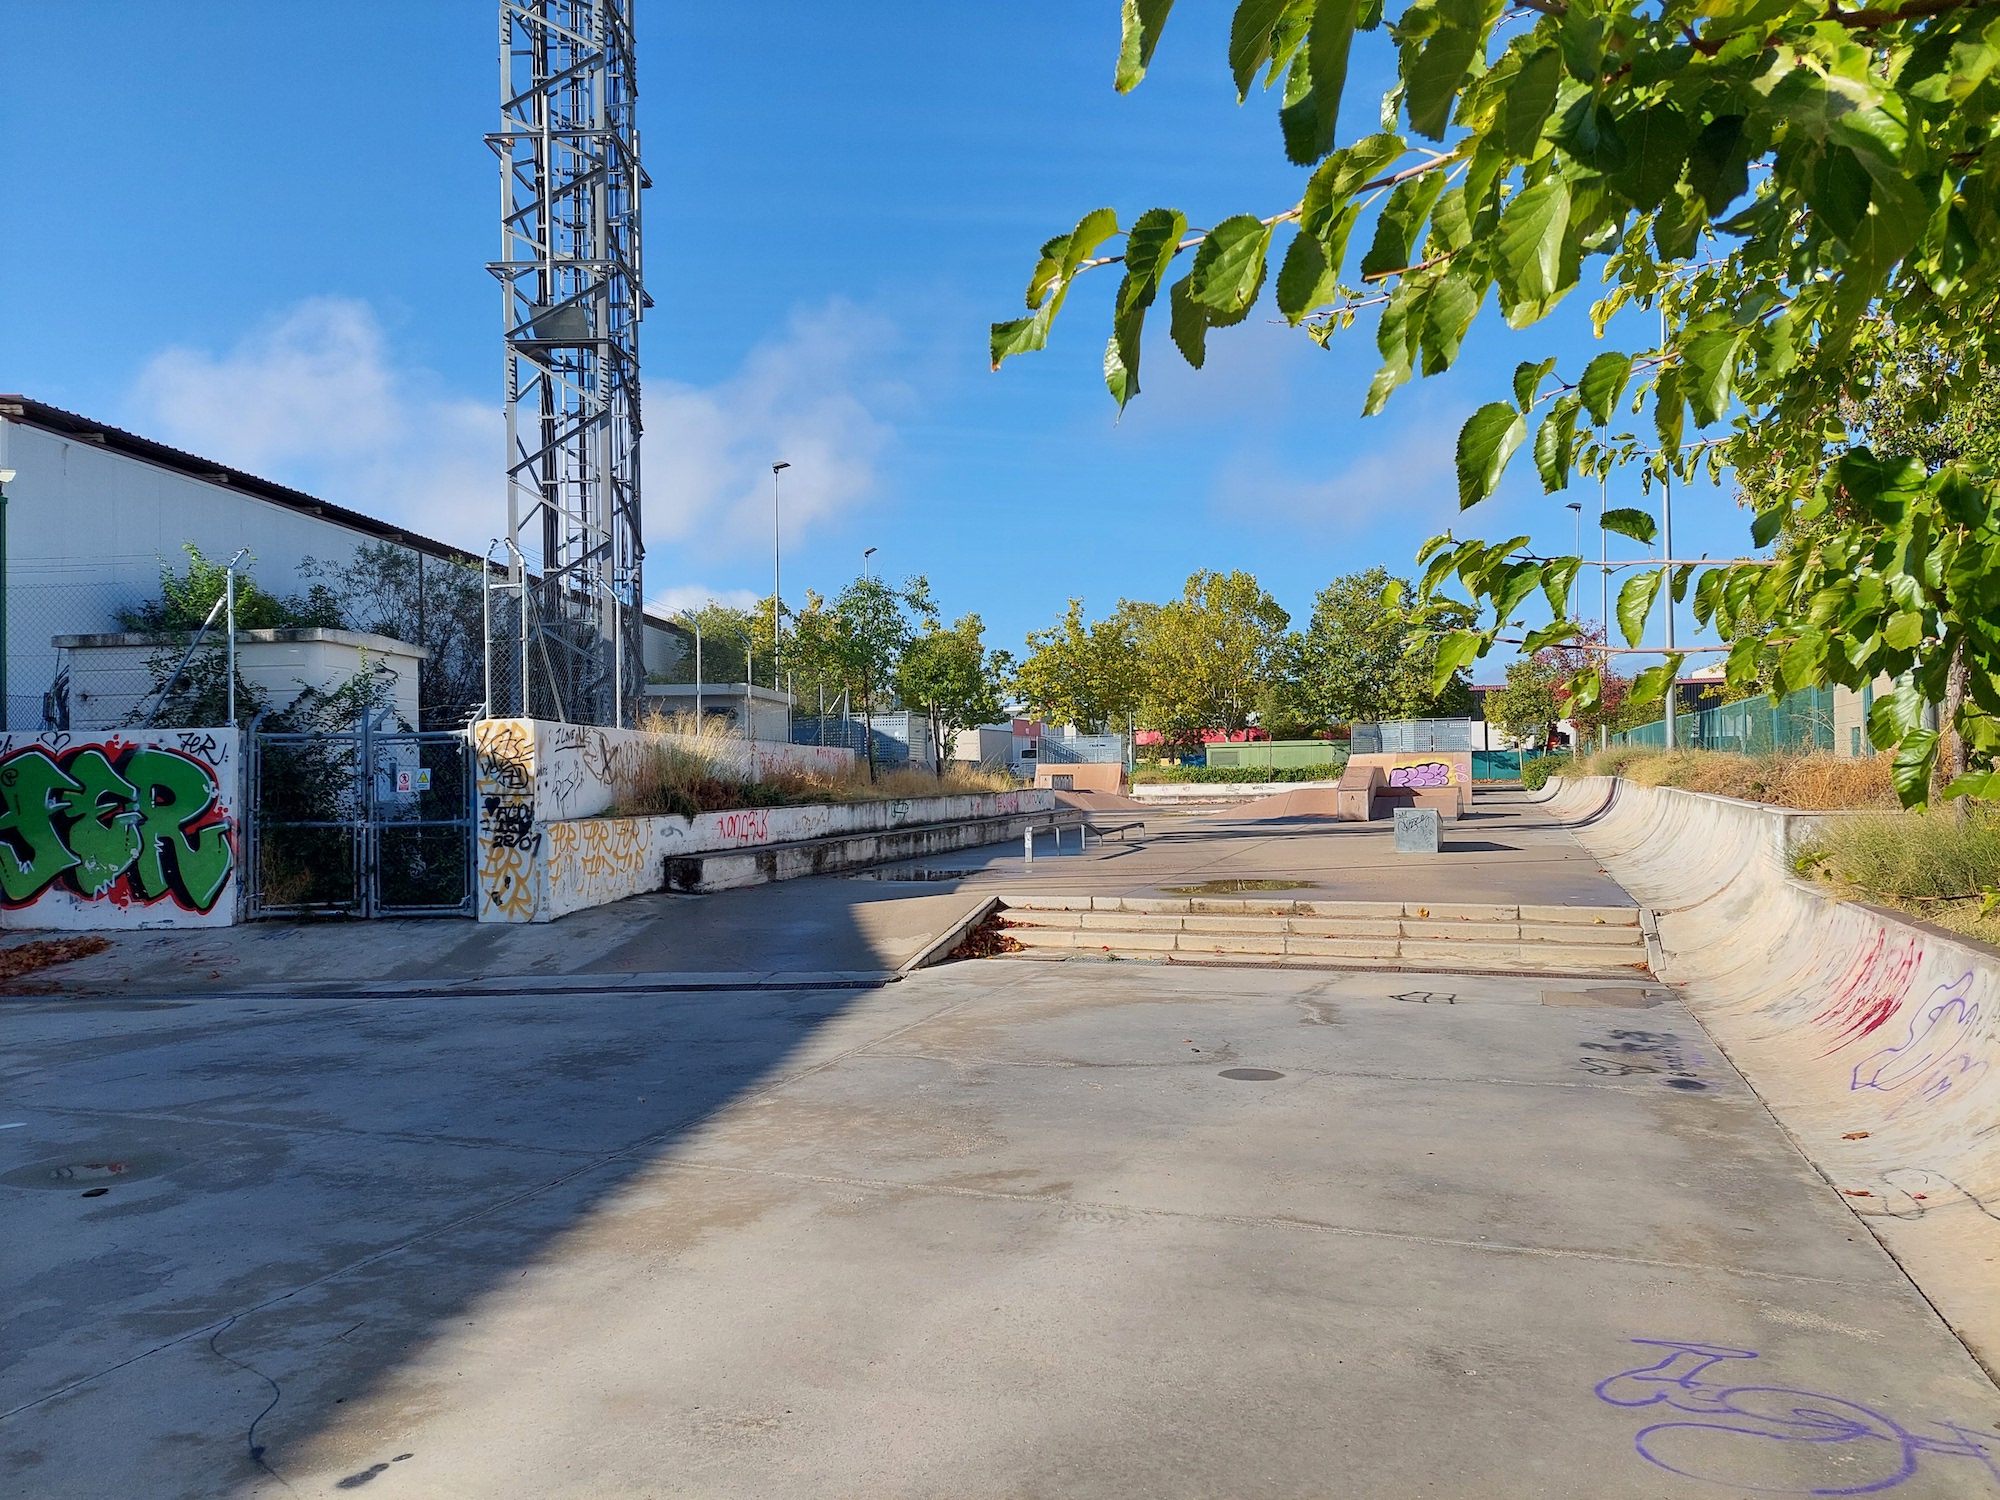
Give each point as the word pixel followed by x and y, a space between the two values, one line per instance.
pixel 1237 887
pixel 99 1171
pixel 1251 1075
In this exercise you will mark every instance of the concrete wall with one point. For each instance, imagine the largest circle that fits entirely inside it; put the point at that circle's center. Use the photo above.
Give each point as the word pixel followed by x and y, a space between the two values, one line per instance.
pixel 127 830
pixel 111 681
pixel 1874 1039
pixel 546 848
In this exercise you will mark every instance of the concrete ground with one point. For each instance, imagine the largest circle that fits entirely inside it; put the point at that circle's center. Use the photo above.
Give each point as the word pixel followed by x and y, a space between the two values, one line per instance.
pixel 1508 850
pixel 999 1229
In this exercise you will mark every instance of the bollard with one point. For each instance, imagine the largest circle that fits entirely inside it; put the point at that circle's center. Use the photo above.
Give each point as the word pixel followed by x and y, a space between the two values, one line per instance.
pixel 1028 844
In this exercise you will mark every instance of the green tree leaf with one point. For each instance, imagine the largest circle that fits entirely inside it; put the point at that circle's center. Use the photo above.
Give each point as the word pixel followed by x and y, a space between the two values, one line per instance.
pixel 1396 228
pixel 1528 247
pixel 1910 768
pixel 1485 443
pixel 1629 522
pixel 1229 269
pixel 1142 22
pixel 1434 80
pixel 1603 383
pixel 1250 32
pixel 1310 118
pixel 1530 99
pixel 1149 251
pixel 1652 684
pixel 1635 602
pixel 1528 378
pixel 1555 440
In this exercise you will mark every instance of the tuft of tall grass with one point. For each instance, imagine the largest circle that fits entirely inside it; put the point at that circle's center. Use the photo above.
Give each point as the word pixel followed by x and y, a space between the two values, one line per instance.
pixel 1815 782
pixel 694 767
pixel 1942 865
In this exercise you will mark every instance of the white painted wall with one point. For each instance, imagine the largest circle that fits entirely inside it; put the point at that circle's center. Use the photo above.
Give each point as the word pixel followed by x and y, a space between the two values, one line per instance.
pixel 88 530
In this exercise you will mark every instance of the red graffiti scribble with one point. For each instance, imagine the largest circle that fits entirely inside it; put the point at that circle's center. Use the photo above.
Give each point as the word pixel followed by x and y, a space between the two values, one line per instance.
pixel 1871 989
pixel 745 827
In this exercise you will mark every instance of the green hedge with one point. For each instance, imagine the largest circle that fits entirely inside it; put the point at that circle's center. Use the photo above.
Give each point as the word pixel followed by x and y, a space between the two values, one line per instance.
pixel 1535 773
pixel 1239 775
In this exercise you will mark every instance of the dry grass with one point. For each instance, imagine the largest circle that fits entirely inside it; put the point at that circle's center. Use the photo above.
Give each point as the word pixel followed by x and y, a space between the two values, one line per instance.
pixel 701 767
pixel 1942 865
pixel 1816 782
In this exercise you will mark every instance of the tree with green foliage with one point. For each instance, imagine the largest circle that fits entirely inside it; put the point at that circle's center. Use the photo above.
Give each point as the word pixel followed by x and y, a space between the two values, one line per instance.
pixel 1358 660
pixel 1208 657
pixel 1089 675
pixel 1806 198
pixel 874 623
pixel 953 679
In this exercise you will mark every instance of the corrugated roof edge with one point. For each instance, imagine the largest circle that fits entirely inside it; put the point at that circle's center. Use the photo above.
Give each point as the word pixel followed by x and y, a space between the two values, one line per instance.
pixel 114 439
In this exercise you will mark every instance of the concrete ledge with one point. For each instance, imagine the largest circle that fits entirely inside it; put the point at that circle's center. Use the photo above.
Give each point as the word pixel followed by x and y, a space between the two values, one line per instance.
pixel 732 869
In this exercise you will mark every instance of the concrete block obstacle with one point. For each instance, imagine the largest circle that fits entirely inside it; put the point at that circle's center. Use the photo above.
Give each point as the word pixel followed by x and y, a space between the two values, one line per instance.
pixel 1375 784
pixel 1418 830
pixel 1873 1038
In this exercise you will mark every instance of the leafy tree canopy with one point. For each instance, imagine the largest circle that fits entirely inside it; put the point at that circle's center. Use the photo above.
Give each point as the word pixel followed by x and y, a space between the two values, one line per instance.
pixel 1357 660
pixel 1089 675
pixel 1805 194
pixel 949 676
pixel 1208 656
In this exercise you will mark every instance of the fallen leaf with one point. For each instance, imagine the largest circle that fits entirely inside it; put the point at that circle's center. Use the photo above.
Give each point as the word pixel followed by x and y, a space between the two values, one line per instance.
pixel 1857 1192
pixel 1855 1135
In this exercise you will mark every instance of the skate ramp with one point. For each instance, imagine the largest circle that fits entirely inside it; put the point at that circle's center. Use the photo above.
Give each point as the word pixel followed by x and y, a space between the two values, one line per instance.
pixel 1871 1037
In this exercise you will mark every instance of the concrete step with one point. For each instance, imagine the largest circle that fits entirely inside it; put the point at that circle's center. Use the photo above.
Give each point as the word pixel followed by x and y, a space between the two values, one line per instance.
pixel 1360 933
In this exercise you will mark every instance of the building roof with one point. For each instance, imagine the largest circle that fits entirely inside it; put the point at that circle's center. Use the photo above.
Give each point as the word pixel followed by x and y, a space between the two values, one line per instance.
pixel 33 413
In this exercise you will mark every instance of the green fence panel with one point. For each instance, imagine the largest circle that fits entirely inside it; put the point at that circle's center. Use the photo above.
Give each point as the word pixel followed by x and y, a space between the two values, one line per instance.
pixel 1756 726
pixel 1276 754
pixel 1496 765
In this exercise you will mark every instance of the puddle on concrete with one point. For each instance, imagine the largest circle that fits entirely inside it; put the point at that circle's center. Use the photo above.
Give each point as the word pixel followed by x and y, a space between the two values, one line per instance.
pixel 1237 887
pixel 1250 1075
pixel 914 876
pixel 98 1171
pixel 1620 997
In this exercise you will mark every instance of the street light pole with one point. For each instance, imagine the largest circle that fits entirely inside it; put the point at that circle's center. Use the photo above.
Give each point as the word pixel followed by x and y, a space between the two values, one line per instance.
pixel 6 478
pixel 777 578
pixel 1575 506
pixel 864 560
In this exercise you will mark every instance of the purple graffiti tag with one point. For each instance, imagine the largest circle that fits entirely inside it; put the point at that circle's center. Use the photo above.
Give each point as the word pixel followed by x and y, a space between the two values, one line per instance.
pixel 1432 773
pixel 1738 1419
pixel 1935 1055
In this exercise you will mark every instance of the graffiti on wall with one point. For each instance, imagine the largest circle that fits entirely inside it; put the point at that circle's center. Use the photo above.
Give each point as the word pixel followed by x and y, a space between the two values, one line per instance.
pixel 117 821
pixel 508 837
pixel 1422 775
pixel 1935 1057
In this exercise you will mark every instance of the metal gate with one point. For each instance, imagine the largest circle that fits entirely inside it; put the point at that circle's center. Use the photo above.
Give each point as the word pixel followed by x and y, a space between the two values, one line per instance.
pixel 364 824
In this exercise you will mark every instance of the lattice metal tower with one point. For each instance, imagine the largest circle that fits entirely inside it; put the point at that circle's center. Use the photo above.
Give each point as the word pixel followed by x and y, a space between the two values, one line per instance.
pixel 573 292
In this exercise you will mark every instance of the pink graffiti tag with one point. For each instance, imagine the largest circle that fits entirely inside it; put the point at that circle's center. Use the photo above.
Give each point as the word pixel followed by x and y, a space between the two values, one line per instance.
pixel 1432 773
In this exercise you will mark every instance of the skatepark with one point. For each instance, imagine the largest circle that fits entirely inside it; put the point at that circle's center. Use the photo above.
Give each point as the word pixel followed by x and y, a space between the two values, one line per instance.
pixel 761 1191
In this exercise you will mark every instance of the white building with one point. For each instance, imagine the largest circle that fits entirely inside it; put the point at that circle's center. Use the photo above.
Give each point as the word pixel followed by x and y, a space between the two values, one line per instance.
pixel 93 514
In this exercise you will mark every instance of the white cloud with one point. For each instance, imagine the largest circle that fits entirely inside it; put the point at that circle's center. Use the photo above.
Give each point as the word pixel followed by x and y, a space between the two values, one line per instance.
pixel 810 397
pixel 680 596
pixel 1410 480
pixel 315 399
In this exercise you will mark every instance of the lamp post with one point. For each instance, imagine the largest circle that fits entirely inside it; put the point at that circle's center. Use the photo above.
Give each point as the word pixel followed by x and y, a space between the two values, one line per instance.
pixel 777 580
pixel 1576 507
pixel 870 552
pixel 6 478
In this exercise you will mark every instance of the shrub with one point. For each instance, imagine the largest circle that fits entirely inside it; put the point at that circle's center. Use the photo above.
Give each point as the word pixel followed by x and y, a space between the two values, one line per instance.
pixel 1942 865
pixel 1816 781
pixel 1239 775
pixel 1535 773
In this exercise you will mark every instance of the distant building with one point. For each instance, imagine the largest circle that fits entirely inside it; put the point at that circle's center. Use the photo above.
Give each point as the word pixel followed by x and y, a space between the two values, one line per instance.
pixel 94 513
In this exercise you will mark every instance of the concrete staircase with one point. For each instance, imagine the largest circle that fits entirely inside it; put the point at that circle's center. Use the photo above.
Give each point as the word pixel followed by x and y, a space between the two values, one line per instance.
pixel 1331 934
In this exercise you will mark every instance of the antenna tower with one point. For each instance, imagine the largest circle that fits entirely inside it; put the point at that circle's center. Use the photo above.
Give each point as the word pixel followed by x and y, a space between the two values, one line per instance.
pixel 573 295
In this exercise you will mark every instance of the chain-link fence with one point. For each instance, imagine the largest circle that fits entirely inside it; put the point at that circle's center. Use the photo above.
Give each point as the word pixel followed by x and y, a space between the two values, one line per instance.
pixel 1395 736
pixel 1798 721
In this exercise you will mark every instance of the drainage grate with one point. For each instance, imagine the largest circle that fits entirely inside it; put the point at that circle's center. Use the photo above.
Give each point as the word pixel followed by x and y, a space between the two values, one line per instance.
pixel 1250 1075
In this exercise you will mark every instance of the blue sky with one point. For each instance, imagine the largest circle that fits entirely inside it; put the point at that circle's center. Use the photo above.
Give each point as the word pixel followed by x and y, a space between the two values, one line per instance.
pixel 260 232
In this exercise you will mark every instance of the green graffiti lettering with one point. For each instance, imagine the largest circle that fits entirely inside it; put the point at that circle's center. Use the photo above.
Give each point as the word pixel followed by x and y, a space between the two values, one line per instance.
pixel 172 793
pixel 105 836
pixel 32 851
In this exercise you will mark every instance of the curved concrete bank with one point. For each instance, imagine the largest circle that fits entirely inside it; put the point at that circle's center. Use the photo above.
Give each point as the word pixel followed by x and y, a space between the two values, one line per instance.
pixel 1874 1040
